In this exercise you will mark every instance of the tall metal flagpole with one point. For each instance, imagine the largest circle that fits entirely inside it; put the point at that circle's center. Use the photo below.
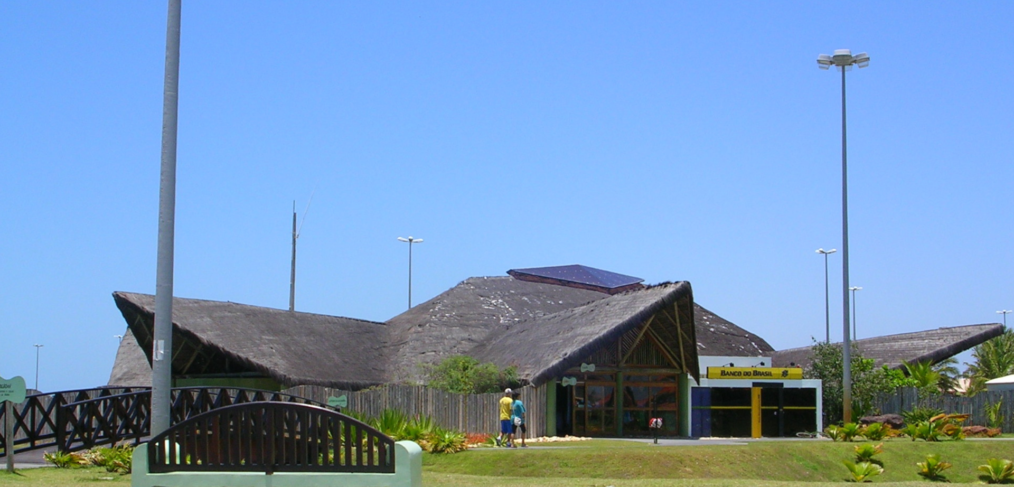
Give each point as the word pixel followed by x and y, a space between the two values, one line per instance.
pixel 161 365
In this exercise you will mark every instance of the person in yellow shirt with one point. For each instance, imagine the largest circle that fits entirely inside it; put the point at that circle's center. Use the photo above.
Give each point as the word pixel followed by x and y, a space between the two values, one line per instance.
pixel 506 427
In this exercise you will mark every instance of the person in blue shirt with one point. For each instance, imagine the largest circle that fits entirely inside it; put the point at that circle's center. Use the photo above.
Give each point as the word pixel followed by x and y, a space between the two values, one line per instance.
pixel 518 420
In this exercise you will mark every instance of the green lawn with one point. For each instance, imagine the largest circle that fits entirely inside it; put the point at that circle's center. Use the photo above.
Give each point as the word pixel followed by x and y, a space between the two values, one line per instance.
pixel 602 463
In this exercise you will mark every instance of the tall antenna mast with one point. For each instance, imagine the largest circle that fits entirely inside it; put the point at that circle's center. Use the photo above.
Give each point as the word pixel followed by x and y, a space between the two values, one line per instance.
pixel 292 275
pixel 295 235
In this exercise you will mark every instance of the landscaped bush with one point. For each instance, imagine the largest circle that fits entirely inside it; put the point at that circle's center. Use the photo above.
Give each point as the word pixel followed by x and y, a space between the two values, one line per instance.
pixel 877 431
pixel 866 452
pixel 834 432
pixel 114 459
pixel 849 431
pixel 920 414
pixel 933 466
pixel 996 471
pixel 65 460
pixel 863 471
pixel 937 427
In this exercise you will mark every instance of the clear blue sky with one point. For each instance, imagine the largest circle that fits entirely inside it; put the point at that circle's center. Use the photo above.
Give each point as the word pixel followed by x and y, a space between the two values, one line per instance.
pixel 691 141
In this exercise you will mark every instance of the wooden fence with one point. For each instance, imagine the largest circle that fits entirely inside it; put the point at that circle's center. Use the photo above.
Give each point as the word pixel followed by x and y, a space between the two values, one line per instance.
pixel 908 398
pixel 470 413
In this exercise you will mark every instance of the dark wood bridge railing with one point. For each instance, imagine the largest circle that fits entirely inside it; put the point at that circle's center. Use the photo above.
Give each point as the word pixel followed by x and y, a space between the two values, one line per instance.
pixel 78 420
pixel 271 437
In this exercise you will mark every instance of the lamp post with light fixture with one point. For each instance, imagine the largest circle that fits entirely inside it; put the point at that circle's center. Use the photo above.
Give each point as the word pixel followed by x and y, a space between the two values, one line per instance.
pixel 1004 312
pixel 827 304
pixel 410 240
pixel 854 289
pixel 37 347
pixel 843 60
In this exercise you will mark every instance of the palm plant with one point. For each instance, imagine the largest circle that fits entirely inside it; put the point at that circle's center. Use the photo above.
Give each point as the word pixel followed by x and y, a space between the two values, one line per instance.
pixel 994 358
pixel 866 451
pixel 948 373
pixel 877 431
pixel 933 466
pixel 924 375
pixel 863 471
pixel 996 471
pixel 850 431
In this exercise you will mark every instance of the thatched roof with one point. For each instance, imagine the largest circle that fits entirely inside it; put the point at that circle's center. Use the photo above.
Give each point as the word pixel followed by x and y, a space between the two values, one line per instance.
pixel 545 347
pixel 475 311
pixel 893 350
pixel 719 337
pixel 131 367
pixel 214 337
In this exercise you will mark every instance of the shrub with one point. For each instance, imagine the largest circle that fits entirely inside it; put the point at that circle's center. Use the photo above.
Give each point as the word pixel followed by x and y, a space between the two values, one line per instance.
pixel 444 441
pixel 994 417
pixel 920 414
pixel 834 432
pixel 933 466
pixel 866 451
pixel 996 471
pixel 65 460
pixel 863 471
pixel 115 459
pixel 849 431
pixel 877 431
pixel 937 427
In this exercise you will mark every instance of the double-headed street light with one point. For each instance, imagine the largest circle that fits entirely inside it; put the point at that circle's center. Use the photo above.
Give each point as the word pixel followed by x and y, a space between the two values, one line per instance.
pixel 843 59
pixel 410 241
pixel 827 304
pixel 1004 312
pixel 854 289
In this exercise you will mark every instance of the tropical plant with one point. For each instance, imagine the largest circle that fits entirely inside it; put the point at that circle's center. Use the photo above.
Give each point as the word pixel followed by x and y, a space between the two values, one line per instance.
pixel 937 427
pixel 993 358
pixel 868 381
pixel 926 378
pixel 849 431
pixel 866 451
pixel 834 432
pixel 877 431
pixel 948 371
pixel 994 415
pixel 996 471
pixel 391 422
pixel 863 471
pixel 920 414
pixel 117 458
pixel 462 374
pixel 444 441
pixel 65 460
pixel 910 430
pixel 933 466
pixel 418 428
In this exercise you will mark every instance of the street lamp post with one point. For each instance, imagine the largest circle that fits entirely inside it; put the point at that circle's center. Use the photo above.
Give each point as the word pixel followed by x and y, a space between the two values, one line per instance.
pixel 854 289
pixel 844 60
pixel 1004 312
pixel 410 240
pixel 827 304
pixel 37 347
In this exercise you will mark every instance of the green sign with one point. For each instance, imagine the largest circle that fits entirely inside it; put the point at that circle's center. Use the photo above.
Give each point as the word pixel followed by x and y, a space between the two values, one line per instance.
pixel 12 390
pixel 338 402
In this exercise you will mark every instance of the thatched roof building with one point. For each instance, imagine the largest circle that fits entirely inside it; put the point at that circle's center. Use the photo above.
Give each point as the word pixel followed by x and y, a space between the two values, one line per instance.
pixel 214 338
pixel 548 326
pixel 894 350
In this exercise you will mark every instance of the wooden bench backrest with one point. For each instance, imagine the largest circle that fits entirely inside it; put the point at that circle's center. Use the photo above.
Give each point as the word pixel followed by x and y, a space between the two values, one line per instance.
pixel 271 437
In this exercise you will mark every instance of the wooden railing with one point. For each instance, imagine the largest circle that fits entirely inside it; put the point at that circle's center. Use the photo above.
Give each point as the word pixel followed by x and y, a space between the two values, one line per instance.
pixel 271 437
pixel 78 420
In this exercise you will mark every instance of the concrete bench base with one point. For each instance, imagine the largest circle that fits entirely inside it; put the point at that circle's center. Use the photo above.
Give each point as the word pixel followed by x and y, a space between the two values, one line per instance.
pixel 408 473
